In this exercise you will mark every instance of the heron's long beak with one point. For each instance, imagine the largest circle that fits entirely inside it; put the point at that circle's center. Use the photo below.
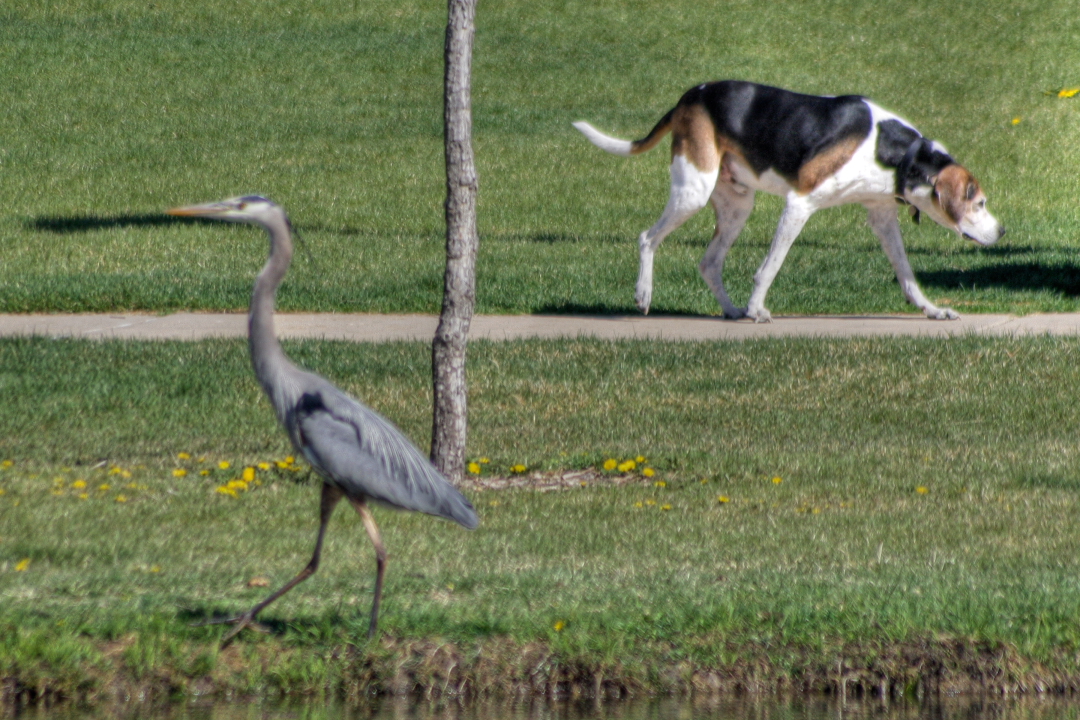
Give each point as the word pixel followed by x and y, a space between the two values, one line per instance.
pixel 212 209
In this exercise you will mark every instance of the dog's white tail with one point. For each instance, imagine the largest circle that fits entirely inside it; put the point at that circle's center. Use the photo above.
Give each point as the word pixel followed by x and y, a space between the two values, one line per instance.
pixel 615 146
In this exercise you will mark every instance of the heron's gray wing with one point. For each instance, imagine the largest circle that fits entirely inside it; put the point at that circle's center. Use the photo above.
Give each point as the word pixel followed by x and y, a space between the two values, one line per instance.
pixel 364 453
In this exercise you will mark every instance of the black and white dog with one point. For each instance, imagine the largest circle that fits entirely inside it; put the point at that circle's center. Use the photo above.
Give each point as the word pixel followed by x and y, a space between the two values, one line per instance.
pixel 732 138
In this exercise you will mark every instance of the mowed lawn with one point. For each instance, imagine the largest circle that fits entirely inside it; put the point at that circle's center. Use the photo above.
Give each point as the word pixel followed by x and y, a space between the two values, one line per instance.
pixel 115 110
pixel 810 502
pixel 813 495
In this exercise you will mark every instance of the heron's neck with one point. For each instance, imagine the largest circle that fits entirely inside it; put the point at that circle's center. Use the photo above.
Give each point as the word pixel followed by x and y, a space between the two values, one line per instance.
pixel 267 357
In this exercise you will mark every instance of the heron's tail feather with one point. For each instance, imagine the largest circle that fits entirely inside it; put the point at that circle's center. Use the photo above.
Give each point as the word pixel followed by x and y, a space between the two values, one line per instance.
pixel 457 507
pixel 626 148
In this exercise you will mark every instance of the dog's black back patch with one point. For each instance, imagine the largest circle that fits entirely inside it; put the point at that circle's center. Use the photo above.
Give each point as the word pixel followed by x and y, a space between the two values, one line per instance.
pixel 778 129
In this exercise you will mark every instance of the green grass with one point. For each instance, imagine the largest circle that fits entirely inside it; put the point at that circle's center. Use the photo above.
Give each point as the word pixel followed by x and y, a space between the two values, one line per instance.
pixel 115 110
pixel 845 552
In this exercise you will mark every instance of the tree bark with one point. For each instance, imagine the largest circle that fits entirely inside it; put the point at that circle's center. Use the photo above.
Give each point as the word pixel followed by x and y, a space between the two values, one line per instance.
pixel 450 421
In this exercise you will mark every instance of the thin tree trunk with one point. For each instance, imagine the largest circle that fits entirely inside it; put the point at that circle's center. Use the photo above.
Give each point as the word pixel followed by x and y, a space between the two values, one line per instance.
pixel 450 422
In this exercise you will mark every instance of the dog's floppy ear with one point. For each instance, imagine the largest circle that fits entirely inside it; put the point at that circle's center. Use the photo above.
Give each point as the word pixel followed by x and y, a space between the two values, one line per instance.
pixel 953 189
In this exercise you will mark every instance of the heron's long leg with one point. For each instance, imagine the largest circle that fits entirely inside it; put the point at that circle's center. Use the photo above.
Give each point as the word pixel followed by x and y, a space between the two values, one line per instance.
pixel 331 495
pixel 380 559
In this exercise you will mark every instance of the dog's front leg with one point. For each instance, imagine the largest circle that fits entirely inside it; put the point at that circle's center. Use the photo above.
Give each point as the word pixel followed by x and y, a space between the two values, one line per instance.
pixel 883 220
pixel 690 191
pixel 796 213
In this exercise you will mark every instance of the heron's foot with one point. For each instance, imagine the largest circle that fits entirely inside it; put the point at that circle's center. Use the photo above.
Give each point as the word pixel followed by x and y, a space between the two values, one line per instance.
pixel 246 620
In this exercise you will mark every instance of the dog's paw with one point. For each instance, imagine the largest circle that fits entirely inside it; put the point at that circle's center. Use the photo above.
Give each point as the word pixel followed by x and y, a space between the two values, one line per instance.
pixel 734 313
pixel 643 298
pixel 760 315
pixel 942 314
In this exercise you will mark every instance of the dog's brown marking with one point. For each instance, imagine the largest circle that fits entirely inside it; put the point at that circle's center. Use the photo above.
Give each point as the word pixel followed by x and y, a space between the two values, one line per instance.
pixel 825 164
pixel 954 190
pixel 694 137
pixel 655 135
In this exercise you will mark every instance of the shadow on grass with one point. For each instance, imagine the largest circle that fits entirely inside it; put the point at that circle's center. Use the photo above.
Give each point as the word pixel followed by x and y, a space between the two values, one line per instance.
pixel 1063 279
pixel 88 223
pixel 605 310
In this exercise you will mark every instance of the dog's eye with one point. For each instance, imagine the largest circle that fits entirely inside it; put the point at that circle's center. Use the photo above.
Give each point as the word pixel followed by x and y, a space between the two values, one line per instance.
pixel 981 204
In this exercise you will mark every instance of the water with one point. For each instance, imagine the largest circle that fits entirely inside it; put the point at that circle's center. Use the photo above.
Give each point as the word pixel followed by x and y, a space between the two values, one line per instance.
pixel 951 708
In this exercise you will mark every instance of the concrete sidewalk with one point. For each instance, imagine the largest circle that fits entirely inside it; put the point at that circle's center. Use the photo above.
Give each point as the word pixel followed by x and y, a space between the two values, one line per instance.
pixel 378 328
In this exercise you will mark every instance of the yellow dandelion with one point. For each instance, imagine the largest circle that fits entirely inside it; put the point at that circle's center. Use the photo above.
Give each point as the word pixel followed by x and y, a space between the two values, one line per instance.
pixel 1016 121
pixel 114 470
pixel 584 483
pixel 121 498
pixel 484 460
pixel 922 489
pixel 237 485
pixel 79 484
pixel 639 504
pixel 104 487
pixel 610 463
pixel 179 472
pixel 650 502
pixel 183 456
pixel 1068 92
pixel 204 473
pixel 665 507
pixel 723 499
pixel 648 472
pixel 202 458
pixel 224 464
pixel 518 469
pixel 640 459
pixel 226 490
pixel 290 460
pixel 474 468
pixel 2 491
pixel 626 466
pixel 282 464
pixel 57 491
pixel 559 625
pixel 6 464
pixel 264 466
pixel 83 496
pixel 494 503
pixel 660 483
pixel 125 474
pixel 816 511
pixel 22 565
pixel 249 474
pixel 155 568
pixel 777 480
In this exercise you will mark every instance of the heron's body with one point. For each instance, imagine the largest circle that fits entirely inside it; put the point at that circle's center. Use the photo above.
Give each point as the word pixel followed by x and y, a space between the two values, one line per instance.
pixel 359 454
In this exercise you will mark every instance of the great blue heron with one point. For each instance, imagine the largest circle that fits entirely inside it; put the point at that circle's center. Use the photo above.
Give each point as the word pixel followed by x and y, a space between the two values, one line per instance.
pixel 358 453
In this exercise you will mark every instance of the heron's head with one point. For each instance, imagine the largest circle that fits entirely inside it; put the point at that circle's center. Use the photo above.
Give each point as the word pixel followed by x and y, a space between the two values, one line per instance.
pixel 247 209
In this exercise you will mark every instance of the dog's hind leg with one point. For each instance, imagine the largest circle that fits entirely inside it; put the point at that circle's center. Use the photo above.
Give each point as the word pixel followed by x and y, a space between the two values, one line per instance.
pixel 690 191
pixel 797 211
pixel 733 204
pixel 882 218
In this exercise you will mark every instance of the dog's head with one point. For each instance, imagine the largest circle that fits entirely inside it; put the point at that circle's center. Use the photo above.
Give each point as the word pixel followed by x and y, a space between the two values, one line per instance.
pixel 953 199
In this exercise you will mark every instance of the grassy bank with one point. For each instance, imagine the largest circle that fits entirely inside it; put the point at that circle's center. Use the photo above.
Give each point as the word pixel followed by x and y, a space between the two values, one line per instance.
pixel 896 511
pixel 117 110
